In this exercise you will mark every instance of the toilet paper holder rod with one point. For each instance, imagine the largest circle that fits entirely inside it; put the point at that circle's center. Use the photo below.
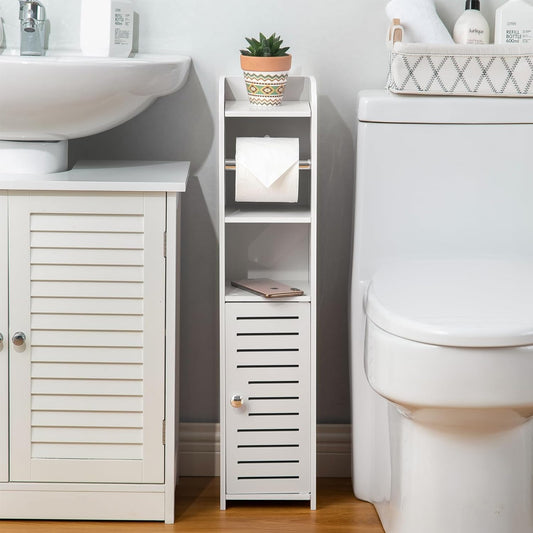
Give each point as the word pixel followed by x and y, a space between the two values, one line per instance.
pixel 229 164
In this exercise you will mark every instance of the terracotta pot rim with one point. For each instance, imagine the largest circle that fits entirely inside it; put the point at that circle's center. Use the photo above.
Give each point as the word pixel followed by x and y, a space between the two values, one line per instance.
pixel 266 64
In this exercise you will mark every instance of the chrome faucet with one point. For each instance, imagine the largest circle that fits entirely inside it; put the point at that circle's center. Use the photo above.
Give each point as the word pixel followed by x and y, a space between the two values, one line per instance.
pixel 32 28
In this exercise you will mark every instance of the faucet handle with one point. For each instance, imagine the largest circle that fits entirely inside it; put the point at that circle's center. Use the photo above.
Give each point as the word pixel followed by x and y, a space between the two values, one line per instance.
pixel 31 9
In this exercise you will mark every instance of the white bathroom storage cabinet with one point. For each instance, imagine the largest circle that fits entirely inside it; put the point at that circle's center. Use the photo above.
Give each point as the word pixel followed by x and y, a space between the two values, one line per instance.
pixel 268 346
pixel 88 360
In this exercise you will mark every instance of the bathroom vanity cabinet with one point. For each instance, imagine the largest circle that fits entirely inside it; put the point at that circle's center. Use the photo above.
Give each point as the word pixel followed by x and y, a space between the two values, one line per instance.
pixel 88 361
pixel 268 346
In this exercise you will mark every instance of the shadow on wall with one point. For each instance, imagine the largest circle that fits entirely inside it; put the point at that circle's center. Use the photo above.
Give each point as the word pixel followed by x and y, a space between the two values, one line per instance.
pixel 199 381
pixel 335 208
pixel 176 127
pixel 179 127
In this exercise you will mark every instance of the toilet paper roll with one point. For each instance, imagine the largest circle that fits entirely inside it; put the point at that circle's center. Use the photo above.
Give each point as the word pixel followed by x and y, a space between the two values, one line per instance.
pixel 267 169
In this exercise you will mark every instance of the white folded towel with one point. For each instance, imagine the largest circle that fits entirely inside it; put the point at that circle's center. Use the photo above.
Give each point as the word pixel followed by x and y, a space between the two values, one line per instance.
pixel 420 21
pixel 267 169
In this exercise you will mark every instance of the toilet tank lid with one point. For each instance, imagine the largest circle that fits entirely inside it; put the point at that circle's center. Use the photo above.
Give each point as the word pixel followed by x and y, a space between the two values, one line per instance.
pixel 384 107
pixel 463 303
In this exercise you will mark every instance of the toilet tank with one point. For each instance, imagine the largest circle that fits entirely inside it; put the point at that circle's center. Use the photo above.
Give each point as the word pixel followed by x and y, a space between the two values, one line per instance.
pixel 437 177
pixel 443 176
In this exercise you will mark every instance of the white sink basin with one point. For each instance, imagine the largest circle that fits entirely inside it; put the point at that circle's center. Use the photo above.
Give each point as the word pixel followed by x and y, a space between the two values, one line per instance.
pixel 60 97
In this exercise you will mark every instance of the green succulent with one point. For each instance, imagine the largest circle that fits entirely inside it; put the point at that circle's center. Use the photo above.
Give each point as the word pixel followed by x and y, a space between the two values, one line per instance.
pixel 265 47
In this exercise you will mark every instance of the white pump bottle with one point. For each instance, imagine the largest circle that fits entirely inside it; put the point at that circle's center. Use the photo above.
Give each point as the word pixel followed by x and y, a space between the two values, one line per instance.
pixel 471 27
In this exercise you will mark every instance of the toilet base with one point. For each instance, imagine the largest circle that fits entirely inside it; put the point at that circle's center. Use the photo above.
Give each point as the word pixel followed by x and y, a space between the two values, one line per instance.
pixel 460 471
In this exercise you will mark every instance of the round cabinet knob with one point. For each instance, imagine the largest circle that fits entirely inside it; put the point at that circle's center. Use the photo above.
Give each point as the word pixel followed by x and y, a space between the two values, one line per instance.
pixel 237 401
pixel 1 338
pixel 19 338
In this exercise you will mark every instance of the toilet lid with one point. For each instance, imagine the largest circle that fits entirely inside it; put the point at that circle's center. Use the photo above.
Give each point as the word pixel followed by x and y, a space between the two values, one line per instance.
pixel 468 303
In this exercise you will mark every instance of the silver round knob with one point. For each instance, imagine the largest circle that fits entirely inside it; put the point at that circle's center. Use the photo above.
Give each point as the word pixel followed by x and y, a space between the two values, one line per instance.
pixel 19 338
pixel 1 338
pixel 237 401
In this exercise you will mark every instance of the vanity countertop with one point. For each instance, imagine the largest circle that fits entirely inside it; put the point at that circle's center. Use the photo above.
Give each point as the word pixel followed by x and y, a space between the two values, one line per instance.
pixel 111 176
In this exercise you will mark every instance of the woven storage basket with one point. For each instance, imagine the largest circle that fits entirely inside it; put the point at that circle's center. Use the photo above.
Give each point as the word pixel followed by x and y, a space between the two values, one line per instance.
pixel 462 70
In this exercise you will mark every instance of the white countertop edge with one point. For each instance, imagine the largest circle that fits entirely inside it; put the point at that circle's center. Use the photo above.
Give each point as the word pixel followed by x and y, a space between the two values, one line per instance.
pixel 111 176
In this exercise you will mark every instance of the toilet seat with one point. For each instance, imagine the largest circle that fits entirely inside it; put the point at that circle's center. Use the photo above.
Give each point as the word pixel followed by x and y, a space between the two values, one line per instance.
pixel 451 334
pixel 411 373
pixel 461 303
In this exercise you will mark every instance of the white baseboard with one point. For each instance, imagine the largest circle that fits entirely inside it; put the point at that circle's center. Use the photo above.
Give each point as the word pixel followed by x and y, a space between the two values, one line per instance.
pixel 199 450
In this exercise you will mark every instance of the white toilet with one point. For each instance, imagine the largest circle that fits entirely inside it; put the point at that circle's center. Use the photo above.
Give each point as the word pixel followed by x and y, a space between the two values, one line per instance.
pixel 442 313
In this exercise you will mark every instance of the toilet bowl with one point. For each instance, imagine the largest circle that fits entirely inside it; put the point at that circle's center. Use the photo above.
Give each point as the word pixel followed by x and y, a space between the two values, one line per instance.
pixel 449 344
pixel 442 314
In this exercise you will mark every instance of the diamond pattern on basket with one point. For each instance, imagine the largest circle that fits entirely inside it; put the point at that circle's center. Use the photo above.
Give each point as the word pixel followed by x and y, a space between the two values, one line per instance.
pixel 461 75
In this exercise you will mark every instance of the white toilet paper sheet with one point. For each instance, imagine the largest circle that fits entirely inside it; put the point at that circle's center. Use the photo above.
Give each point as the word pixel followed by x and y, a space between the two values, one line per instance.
pixel 267 169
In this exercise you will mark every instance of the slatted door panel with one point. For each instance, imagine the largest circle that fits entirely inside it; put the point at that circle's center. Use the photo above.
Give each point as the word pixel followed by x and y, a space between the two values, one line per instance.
pixel 87 285
pixel 4 420
pixel 268 364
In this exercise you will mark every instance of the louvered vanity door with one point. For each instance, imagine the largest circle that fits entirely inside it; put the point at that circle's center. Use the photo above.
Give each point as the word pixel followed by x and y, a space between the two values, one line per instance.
pixel 3 343
pixel 87 287
pixel 268 367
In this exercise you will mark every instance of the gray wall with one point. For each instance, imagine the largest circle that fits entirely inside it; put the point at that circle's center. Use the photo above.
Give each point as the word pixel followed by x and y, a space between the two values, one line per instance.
pixel 341 43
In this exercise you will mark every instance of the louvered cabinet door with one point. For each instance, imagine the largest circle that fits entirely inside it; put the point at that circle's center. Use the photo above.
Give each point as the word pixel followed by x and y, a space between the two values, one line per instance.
pixel 4 345
pixel 87 288
pixel 268 366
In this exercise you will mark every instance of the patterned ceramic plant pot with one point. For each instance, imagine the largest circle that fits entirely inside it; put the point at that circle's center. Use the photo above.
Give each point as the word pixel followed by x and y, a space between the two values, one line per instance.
pixel 266 78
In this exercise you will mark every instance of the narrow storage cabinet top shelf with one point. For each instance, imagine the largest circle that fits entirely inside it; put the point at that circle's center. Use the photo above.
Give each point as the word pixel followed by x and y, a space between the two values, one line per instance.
pixel 242 108
pixel 296 102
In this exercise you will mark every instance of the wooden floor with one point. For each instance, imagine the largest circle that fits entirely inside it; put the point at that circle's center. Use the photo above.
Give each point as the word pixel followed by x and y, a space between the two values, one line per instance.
pixel 197 510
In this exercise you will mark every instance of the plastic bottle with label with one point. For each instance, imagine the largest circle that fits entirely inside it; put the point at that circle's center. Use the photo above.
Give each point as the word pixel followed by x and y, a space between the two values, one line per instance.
pixel 514 23
pixel 106 28
pixel 471 27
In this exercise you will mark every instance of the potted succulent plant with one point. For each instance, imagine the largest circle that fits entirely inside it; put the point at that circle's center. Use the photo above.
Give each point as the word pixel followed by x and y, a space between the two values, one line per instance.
pixel 266 66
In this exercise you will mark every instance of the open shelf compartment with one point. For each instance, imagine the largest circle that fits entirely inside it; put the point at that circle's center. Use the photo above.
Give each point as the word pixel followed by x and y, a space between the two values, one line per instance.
pixel 267 212
pixel 276 251
pixel 295 103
